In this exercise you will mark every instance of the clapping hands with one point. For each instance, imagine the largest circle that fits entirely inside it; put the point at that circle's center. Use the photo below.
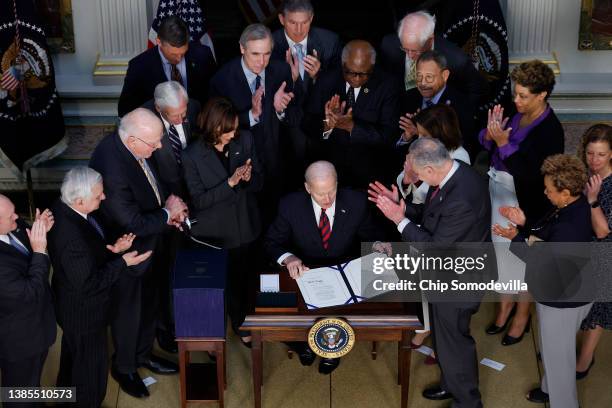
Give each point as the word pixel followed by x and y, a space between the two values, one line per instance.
pixel 496 126
pixel 336 117
pixel 241 173
pixel 516 216
pixel 123 244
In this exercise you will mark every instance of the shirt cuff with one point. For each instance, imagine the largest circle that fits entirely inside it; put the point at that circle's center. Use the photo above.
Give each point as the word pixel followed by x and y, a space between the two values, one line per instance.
pixel 167 215
pixel 402 225
pixel 282 258
pixel 507 150
pixel 252 120
pixel 326 134
pixel 280 116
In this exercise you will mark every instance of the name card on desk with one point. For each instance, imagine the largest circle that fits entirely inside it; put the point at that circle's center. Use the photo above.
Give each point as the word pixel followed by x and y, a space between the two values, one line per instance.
pixel 269 282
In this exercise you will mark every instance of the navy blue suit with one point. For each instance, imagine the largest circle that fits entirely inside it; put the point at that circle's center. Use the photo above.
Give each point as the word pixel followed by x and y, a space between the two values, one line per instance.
pixel 146 71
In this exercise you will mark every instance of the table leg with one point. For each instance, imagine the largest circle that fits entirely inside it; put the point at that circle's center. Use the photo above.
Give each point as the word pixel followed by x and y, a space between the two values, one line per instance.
pixel 405 354
pixel 221 372
pixel 224 367
pixel 183 363
pixel 257 357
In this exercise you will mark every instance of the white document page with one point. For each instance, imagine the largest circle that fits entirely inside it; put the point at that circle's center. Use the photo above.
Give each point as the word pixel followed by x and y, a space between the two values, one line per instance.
pixel 323 287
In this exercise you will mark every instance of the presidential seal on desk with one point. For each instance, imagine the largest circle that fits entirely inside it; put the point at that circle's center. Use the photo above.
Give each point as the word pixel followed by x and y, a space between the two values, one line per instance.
pixel 331 338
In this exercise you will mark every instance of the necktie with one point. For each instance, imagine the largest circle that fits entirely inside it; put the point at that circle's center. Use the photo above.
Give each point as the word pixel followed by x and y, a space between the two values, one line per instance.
pixel 175 74
pixel 434 193
pixel 299 51
pixel 92 221
pixel 175 142
pixel 15 244
pixel 429 103
pixel 324 229
pixel 410 76
pixel 257 83
pixel 350 97
pixel 151 180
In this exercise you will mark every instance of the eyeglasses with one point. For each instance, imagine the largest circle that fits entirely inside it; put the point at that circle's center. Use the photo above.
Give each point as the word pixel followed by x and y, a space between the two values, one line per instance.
pixel 429 79
pixel 152 146
pixel 416 52
pixel 356 74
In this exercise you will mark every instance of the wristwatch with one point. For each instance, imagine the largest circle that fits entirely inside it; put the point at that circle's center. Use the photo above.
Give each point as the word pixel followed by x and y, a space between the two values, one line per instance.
pixel 595 204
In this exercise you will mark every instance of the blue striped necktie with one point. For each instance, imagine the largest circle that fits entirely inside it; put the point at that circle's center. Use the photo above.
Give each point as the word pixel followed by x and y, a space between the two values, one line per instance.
pixel 95 224
pixel 17 245
pixel 175 142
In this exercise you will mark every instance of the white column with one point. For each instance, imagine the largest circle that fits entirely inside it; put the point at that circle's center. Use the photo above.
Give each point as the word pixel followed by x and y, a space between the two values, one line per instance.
pixel 531 31
pixel 122 34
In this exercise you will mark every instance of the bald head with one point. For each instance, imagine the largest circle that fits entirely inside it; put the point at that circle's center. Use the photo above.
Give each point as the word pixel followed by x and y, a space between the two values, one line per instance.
pixel 141 132
pixel 322 183
pixel 358 60
pixel 7 215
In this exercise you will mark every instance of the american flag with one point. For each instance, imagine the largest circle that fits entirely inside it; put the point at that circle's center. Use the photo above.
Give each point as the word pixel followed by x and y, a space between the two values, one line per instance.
pixel 9 80
pixel 190 12
pixel 259 11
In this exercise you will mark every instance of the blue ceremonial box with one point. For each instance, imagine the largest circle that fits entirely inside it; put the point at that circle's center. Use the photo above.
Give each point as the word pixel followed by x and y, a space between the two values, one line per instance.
pixel 199 292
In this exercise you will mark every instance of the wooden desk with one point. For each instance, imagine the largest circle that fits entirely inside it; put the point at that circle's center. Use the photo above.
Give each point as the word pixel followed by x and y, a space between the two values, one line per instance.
pixel 194 381
pixel 370 321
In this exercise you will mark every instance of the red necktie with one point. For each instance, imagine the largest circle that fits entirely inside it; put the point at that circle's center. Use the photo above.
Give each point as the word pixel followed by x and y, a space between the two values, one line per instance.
pixel 324 229
pixel 434 193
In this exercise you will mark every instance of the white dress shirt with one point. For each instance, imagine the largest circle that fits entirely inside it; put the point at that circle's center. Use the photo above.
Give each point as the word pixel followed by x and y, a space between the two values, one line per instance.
pixel 181 66
pixel 304 44
pixel 330 212
pixel 179 130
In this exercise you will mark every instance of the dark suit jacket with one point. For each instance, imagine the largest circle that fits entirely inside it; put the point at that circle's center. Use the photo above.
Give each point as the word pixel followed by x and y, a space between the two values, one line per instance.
pixel 170 173
pixel 227 216
pixel 295 229
pixel 130 205
pixel 463 75
pixel 327 44
pixel 412 100
pixel 26 308
pixel 460 212
pixel 145 72
pixel 362 155
pixel 550 271
pixel 231 82
pixel 83 271
pixel 544 140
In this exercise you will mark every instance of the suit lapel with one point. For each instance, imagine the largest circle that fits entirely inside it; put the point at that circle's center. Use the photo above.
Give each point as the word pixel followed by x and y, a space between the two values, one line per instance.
pixel 139 171
pixel 84 225
pixel 312 228
pixel 210 160
pixel 340 219
pixel 161 75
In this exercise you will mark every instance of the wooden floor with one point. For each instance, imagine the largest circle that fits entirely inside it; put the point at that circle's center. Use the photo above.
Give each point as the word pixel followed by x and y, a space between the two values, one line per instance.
pixel 360 381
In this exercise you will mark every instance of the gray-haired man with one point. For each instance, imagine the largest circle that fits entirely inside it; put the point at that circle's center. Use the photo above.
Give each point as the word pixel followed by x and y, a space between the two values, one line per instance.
pixel 84 270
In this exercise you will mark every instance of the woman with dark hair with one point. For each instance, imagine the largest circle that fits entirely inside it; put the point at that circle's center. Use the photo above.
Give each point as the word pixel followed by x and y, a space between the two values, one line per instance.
pixel 223 174
pixel 559 318
pixel 597 155
pixel 518 147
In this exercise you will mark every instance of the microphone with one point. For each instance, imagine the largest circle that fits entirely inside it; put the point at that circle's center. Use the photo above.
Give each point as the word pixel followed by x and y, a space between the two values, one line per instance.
pixel 186 227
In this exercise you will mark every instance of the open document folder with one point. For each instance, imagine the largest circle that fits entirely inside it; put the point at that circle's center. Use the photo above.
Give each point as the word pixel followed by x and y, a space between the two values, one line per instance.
pixel 341 284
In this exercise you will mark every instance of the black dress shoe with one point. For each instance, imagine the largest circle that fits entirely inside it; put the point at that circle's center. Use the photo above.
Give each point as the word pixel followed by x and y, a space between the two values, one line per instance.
pixel 307 356
pixel 131 383
pixel 509 340
pixel 537 395
pixel 582 374
pixel 166 342
pixel 327 365
pixel 495 329
pixel 436 394
pixel 159 365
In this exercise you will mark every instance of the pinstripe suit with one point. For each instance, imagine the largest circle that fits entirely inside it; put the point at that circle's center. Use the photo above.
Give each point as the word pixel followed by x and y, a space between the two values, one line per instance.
pixel 84 272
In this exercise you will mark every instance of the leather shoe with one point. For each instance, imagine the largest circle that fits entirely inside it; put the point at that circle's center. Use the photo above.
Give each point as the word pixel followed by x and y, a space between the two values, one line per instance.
pixel 166 341
pixel 159 365
pixel 509 340
pixel 582 374
pixel 327 365
pixel 537 395
pixel 131 383
pixel 307 356
pixel 495 329
pixel 437 394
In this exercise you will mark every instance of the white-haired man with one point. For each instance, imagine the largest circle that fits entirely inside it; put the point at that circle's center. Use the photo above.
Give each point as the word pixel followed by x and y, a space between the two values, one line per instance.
pixel 136 202
pixel 26 308
pixel 415 35
pixel 84 270
pixel 178 114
